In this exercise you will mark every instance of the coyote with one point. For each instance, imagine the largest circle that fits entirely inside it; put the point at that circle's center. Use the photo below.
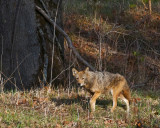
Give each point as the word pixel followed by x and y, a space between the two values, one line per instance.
pixel 97 83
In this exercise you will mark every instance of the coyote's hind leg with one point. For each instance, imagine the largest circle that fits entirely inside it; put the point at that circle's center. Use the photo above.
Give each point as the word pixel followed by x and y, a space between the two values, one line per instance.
pixel 126 101
pixel 115 96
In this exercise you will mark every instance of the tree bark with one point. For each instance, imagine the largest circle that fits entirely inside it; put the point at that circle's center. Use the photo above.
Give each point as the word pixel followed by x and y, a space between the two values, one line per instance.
pixel 19 46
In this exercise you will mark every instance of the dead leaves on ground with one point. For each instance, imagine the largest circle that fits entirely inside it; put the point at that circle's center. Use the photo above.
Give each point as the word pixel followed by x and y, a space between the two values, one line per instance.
pixel 35 101
pixel 110 122
pixel 32 99
pixel 70 112
pixel 21 101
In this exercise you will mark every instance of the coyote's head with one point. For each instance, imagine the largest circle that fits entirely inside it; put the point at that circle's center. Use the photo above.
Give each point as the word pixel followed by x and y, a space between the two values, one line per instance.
pixel 80 76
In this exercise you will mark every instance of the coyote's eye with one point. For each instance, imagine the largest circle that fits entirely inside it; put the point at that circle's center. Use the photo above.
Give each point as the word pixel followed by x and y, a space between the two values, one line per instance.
pixel 77 78
pixel 83 78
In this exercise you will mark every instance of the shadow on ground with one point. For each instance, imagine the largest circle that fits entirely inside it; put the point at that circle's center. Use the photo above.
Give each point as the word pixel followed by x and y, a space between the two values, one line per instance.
pixel 84 102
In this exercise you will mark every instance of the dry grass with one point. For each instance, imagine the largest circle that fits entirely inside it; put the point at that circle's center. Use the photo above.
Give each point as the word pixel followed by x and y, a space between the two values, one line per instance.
pixel 67 108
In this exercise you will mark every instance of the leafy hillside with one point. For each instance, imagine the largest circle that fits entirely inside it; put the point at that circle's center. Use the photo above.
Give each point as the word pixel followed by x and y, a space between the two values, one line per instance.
pixel 118 36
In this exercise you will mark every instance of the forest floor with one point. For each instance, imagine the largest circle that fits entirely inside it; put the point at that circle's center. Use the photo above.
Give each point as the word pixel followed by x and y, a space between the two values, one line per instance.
pixel 59 108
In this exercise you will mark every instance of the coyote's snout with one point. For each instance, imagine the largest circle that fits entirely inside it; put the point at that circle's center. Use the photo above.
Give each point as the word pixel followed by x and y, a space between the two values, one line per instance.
pixel 97 83
pixel 80 76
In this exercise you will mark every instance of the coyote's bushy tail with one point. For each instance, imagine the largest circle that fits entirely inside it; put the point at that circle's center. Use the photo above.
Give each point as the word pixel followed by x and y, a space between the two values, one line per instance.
pixel 126 93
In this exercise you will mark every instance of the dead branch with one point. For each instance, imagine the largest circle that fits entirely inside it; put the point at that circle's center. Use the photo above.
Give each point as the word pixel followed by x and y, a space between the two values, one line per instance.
pixel 145 7
pixel 70 44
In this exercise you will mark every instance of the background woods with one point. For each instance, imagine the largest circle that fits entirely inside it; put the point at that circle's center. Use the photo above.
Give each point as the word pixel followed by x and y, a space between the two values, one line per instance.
pixel 119 36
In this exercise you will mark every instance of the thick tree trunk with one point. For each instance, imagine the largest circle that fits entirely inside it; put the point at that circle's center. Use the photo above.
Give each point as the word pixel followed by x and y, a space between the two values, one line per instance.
pixel 24 54
pixel 19 46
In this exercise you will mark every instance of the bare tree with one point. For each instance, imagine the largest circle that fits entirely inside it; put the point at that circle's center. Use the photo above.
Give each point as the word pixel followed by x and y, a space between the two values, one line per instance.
pixel 150 7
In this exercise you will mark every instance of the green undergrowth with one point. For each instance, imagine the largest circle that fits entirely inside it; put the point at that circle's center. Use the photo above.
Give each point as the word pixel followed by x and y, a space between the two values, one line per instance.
pixel 70 108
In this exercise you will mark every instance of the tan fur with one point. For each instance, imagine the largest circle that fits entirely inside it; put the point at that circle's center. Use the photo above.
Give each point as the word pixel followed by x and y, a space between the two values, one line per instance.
pixel 98 83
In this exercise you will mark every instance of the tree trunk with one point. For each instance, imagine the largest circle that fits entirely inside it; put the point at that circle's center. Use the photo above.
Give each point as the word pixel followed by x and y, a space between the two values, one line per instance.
pixel 19 47
pixel 24 54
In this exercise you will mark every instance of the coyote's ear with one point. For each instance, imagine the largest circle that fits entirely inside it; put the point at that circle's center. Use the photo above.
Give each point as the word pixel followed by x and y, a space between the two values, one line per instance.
pixel 87 69
pixel 74 71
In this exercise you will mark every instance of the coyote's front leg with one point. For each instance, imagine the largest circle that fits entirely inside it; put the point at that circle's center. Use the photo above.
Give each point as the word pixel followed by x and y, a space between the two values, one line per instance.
pixel 114 102
pixel 93 100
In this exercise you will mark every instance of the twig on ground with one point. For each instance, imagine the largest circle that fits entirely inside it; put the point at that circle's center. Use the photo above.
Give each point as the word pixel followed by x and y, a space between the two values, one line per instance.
pixel 61 73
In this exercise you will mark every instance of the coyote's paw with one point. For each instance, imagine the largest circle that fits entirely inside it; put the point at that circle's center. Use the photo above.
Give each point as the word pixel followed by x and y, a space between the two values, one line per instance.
pixel 92 105
pixel 92 109
pixel 112 110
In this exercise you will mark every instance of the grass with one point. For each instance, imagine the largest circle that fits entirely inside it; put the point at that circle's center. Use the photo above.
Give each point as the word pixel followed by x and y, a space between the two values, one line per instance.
pixel 58 108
